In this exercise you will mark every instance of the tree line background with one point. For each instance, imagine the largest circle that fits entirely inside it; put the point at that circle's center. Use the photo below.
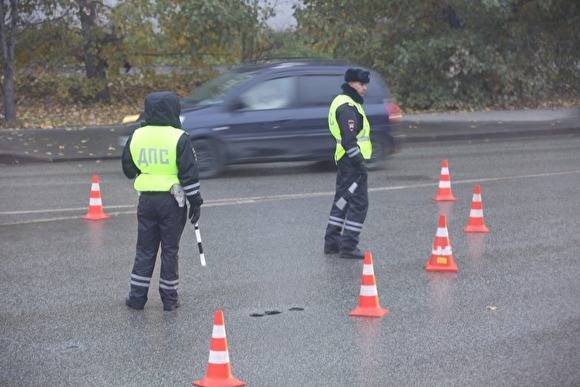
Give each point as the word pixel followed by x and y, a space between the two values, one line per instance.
pixel 434 54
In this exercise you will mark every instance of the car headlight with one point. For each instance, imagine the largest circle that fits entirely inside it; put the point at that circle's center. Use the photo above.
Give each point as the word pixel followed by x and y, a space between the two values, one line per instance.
pixel 130 118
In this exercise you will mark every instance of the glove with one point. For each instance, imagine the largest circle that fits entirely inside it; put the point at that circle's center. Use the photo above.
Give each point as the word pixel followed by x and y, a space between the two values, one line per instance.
pixel 359 162
pixel 194 213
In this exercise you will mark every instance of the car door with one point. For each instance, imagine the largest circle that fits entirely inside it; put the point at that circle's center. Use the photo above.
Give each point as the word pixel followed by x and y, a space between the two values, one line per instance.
pixel 261 119
pixel 315 93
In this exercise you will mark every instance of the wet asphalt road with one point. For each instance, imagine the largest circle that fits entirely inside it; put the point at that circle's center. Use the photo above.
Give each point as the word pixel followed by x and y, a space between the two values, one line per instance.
pixel 511 316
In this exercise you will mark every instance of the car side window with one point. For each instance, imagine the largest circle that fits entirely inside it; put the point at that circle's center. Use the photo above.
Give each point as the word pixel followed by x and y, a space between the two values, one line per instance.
pixel 275 93
pixel 319 90
pixel 376 91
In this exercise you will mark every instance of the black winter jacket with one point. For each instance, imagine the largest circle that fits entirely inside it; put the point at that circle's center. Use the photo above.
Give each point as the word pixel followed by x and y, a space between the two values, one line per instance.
pixel 350 122
pixel 163 109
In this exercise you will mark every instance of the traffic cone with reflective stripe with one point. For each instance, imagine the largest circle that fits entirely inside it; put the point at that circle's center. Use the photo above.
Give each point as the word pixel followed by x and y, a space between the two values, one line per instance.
pixel 368 301
pixel 441 255
pixel 218 368
pixel 475 223
pixel 444 193
pixel 95 204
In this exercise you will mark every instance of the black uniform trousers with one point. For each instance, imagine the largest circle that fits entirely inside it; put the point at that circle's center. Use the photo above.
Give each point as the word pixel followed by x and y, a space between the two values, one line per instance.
pixel 344 225
pixel 160 222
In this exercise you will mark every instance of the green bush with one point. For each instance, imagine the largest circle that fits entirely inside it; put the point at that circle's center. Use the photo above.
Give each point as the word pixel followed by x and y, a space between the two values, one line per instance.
pixel 77 89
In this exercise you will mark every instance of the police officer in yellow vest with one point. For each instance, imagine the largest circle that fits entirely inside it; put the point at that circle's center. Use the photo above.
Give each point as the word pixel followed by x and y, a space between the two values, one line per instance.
pixel 351 129
pixel 160 156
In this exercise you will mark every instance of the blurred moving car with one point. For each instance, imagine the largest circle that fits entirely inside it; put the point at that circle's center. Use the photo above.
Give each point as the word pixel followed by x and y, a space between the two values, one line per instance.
pixel 278 111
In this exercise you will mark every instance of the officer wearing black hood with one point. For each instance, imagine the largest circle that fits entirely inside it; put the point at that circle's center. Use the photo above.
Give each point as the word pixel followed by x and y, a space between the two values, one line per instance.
pixel 350 127
pixel 160 157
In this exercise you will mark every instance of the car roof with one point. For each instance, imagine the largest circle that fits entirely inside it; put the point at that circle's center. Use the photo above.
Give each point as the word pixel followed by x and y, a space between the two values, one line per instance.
pixel 307 66
pixel 299 66
pixel 295 64
pixel 264 69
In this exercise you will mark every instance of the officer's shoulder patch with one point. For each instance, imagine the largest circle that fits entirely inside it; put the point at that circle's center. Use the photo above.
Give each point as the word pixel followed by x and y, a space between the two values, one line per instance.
pixel 351 125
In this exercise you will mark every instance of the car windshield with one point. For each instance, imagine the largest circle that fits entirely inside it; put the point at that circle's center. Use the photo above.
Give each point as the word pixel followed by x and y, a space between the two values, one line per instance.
pixel 213 91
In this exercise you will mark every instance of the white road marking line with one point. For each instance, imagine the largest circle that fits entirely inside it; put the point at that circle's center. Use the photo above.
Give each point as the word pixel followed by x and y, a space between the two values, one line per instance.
pixel 257 199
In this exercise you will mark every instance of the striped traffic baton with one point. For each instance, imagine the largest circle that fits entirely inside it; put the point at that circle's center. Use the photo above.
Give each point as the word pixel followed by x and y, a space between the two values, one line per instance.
pixel 342 201
pixel 199 246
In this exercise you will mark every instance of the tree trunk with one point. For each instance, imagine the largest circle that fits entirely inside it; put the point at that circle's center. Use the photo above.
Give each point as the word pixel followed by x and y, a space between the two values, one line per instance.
pixel 95 66
pixel 247 46
pixel 8 41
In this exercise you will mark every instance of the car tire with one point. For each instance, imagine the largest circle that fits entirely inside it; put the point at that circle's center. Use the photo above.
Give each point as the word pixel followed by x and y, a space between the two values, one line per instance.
pixel 209 157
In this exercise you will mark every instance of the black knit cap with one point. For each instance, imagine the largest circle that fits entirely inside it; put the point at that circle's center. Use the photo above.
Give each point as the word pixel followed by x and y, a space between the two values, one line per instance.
pixel 357 75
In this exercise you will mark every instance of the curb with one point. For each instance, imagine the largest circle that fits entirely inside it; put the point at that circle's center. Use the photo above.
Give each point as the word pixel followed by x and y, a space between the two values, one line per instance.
pixel 60 144
pixel 405 139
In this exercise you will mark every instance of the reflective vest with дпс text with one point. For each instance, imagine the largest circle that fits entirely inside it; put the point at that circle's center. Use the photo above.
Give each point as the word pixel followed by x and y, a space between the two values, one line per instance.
pixel 154 152
pixel 363 137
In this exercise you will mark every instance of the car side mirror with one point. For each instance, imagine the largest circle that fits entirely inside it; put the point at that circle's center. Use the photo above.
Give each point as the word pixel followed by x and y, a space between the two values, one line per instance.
pixel 236 104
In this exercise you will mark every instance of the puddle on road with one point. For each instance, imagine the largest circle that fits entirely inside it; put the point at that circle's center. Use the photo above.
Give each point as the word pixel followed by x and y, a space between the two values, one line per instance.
pixel 275 312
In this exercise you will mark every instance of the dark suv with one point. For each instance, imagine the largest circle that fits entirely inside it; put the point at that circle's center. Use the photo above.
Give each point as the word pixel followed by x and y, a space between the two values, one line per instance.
pixel 277 112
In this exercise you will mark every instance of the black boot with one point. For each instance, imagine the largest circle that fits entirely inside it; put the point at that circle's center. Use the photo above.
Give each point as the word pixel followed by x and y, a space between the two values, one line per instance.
pixel 133 304
pixel 352 254
pixel 330 249
pixel 171 307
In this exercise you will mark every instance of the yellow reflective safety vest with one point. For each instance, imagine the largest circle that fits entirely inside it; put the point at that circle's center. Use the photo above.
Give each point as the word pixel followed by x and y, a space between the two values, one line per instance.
pixel 363 137
pixel 154 152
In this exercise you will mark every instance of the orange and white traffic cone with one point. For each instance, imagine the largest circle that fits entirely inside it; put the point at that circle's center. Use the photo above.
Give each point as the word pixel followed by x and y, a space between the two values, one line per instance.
pixel 95 203
pixel 218 368
pixel 368 301
pixel 442 256
pixel 475 223
pixel 444 193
